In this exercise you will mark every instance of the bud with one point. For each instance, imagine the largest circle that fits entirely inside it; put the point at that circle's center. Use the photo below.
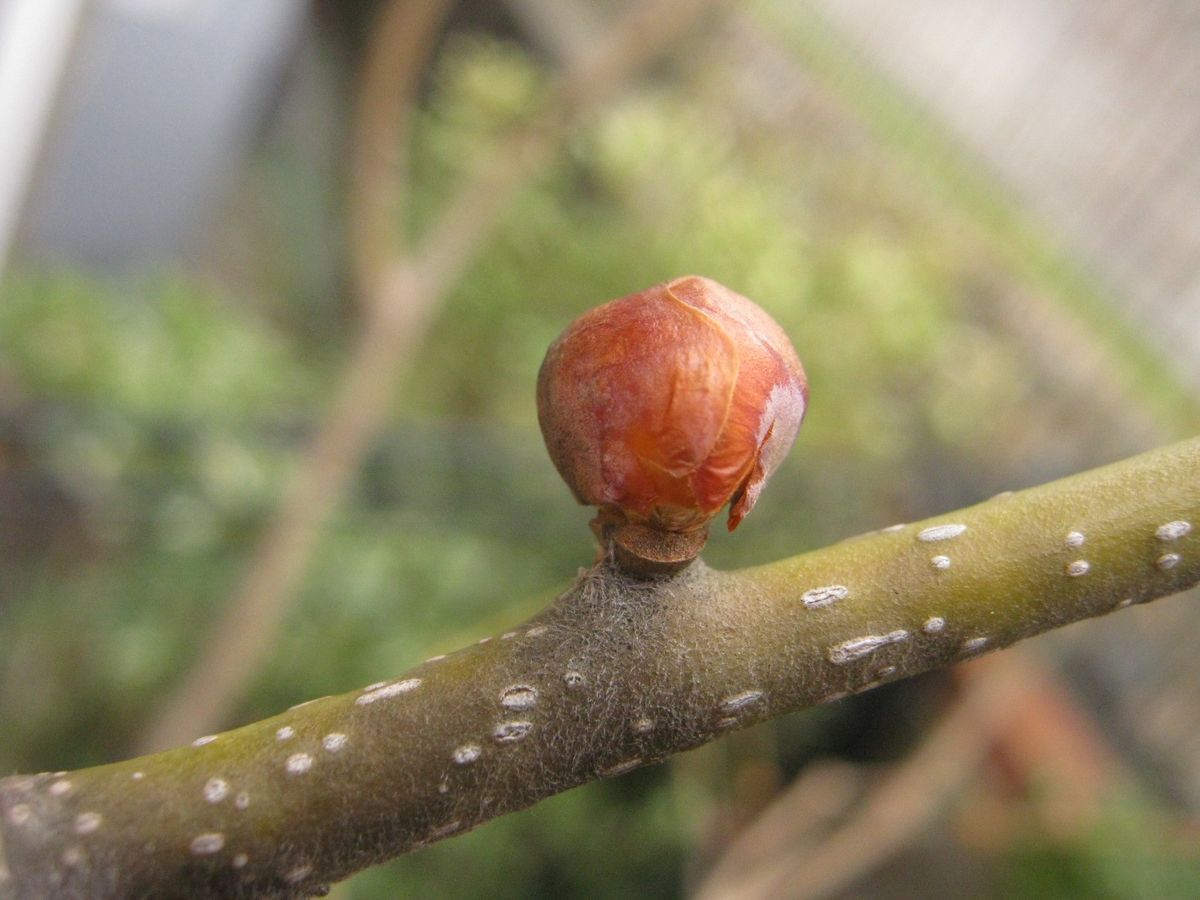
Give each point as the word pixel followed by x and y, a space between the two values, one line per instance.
pixel 663 406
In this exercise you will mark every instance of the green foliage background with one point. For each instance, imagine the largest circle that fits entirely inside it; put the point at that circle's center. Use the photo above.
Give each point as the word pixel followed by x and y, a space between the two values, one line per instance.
pixel 150 423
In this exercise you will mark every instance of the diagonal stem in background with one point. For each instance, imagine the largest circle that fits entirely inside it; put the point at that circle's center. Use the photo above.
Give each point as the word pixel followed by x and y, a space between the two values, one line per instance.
pixel 765 864
pixel 402 41
pixel 778 856
pixel 616 674
pixel 397 312
pixel 403 293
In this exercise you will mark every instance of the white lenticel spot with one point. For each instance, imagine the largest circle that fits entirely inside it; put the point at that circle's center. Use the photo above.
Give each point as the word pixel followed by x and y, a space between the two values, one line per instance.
pixel 373 686
pixel 644 725
pixel 467 754
pixel 437 658
pixel 886 672
pixel 286 733
pixel 216 790
pixel 1074 539
pixel 892 529
pixel 138 776
pixel 934 625
pixel 511 732
pixel 1173 531
pixel 388 691
pixel 87 822
pixel 1168 561
pixel 940 562
pixel 201 741
pixel 18 814
pixel 940 533
pixel 974 645
pixel 208 843
pixel 242 800
pixel 508 635
pixel 446 830
pixel 298 763
pixel 621 768
pixel 483 640
pixel 726 723
pixel 1078 567
pixel 824 596
pixel 574 679
pixel 856 648
pixel 59 788
pixel 536 631
pixel 1128 601
pixel 239 860
pixel 298 874
pixel 73 856
pixel 739 702
pixel 519 696
pixel 334 741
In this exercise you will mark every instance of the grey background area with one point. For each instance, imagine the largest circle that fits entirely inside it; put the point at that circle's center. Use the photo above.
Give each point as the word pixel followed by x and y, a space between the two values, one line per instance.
pixel 160 99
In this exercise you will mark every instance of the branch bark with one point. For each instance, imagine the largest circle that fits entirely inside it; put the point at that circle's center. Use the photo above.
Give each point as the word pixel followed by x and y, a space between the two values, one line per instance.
pixel 617 673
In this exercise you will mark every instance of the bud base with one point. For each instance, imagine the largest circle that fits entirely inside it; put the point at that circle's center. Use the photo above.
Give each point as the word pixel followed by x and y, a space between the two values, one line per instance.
pixel 647 552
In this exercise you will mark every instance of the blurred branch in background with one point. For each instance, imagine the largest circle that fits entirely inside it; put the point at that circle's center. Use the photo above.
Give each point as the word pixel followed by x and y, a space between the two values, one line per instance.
pixel 402 291
pixel 1007 706
pixel 590 78
pixel 396 312
pixel 781 856
pixel 400 47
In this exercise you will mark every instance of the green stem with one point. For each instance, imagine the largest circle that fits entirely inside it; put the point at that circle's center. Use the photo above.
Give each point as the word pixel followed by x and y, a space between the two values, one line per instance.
pixel 617 673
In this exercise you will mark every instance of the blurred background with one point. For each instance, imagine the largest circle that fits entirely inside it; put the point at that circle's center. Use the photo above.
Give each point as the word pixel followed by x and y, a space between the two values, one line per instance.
pixel 275 281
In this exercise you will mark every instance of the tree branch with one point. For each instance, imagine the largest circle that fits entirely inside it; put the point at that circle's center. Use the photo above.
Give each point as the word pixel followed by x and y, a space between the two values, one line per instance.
pixel 617 673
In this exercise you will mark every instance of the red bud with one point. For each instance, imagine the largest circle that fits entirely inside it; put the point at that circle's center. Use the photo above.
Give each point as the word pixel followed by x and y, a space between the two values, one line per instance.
pixel 663 406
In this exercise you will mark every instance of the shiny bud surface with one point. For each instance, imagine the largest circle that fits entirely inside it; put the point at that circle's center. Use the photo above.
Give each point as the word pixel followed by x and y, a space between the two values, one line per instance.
pixel 663 406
